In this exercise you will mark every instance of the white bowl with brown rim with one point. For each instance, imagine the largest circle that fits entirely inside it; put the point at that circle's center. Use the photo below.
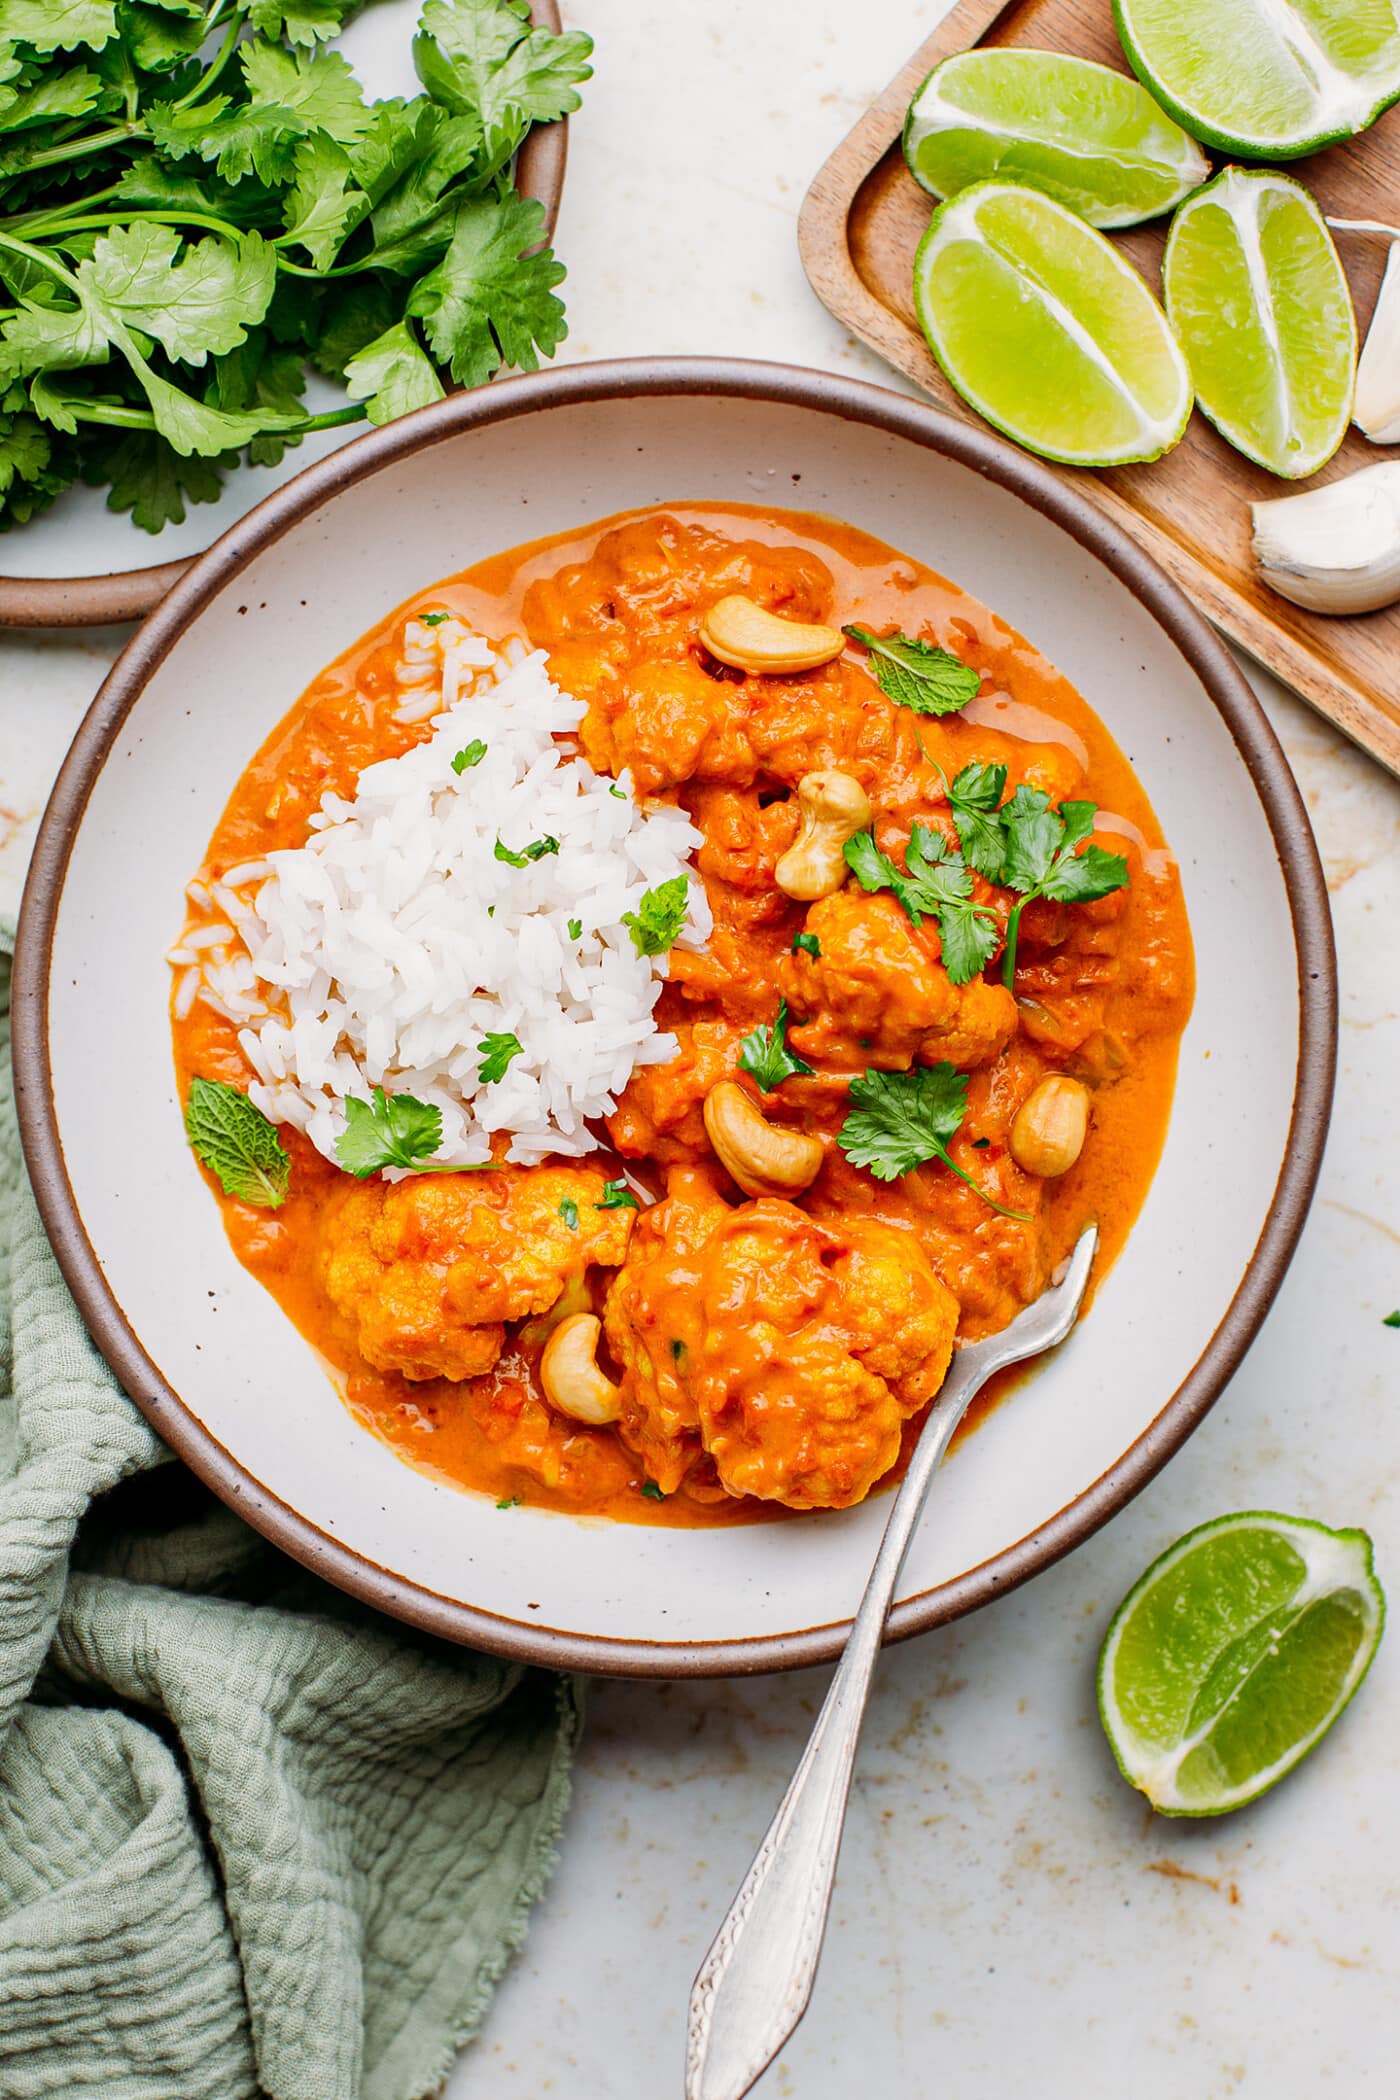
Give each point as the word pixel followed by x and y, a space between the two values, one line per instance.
pixel 204 1350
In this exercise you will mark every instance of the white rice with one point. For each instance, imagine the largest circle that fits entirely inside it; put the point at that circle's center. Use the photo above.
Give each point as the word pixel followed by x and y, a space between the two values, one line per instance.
pixel 383 951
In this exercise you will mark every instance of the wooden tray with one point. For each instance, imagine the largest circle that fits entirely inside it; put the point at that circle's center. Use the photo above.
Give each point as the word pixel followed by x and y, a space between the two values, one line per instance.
pixel 861 222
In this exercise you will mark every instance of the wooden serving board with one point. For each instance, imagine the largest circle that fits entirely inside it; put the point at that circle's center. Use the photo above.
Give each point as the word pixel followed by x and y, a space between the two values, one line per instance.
pixel 861 222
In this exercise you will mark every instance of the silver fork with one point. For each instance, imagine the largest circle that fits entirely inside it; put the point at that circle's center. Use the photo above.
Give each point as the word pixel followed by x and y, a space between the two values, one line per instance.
pixel 755 1982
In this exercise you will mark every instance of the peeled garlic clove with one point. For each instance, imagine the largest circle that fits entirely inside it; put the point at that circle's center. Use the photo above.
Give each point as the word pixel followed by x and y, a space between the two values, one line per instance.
pixel 1376 407
pixel 1335 549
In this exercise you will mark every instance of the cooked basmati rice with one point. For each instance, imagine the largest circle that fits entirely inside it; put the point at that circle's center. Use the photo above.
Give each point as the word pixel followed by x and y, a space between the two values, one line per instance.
pixel 384 950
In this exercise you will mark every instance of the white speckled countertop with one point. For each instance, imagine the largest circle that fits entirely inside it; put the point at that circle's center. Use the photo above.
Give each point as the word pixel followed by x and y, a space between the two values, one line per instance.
pixel 1009 1919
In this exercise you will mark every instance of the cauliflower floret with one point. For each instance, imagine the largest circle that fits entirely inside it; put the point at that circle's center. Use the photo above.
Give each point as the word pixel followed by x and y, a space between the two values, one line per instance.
pixel 788 1351
pixel 426 1272
pixel 876 993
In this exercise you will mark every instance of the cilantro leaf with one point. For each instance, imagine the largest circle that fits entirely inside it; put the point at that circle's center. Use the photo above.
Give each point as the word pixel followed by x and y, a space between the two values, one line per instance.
pixel 53 95
pixel 388 1130
pixel 974 799
pixel 568 1211
pixel 150 480
pixel 392 375
pixel 575 929
pixel 806 944
pixel 1042 859
pixel 237 1143
pixel 58 25
pixel 1391 1319
pixel 512 859
pixel 476 55
pixel 299 21
pixel 936 884
pixel 901 1120
pixel 655 925
pixel 917 674
pixel 616 1196
pixel 318 89
pixel 490 301
pixel 652 1492
pixel 765 1056
pixel 323 206
pixel 473 754
pixel 496 1054
pixel 204 301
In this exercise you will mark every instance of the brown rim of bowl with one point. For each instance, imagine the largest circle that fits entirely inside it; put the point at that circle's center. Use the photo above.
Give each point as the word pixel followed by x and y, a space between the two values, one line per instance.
pixel 998 462
pixel 129 594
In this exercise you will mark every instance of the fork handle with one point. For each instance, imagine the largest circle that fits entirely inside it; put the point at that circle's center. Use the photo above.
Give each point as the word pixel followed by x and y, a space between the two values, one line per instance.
pixel 754 1984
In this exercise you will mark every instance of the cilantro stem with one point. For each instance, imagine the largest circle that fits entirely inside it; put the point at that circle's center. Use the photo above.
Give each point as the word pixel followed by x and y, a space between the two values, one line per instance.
pixel 1013 930
pixel 1022 1217
pixel 95 142
pixel 218 62
pixel 44 260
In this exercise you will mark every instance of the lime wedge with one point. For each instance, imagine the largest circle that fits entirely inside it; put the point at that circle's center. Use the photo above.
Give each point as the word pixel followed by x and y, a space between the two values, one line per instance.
pixel 1046 330
pixel 1259 300
pixel 1268 79
pixel 1233 1655
pixel 1089 136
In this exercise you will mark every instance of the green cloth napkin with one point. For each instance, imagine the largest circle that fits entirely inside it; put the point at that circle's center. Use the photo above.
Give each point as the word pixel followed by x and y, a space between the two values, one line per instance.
pixel 254 1839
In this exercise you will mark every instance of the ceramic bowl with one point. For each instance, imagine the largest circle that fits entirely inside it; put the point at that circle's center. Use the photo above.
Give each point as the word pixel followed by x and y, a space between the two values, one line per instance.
pixel 205 1351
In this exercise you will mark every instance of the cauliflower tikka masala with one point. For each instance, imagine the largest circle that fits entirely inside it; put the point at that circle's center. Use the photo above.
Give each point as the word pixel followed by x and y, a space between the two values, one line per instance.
pixel 933 1032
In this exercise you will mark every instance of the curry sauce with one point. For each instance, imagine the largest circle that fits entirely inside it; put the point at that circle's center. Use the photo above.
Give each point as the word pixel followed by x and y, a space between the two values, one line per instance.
pixel 1102 992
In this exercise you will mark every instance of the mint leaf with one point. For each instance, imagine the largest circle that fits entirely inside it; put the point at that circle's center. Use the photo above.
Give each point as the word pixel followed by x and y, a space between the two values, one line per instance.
pixel 471 756
pixel 655 925
pixel 392 375
pixel 237 1143
pixel 496 1054
pixel 901 1120
pixel 616 1196
pixel 490 301
pixel 917 674
pixel 388 1130
pixel 765 1056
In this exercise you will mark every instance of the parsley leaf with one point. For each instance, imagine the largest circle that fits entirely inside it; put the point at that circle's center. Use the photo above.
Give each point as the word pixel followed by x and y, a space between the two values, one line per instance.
pixel 917 674
pixel 388 1130
pixel 900 1120
pixel 765 1056
pixel 472 755
pixel 655 925
pixel 237 1143
pixel 806 944
pixel 616 1196
pixel 496 1053
pixel 1042 861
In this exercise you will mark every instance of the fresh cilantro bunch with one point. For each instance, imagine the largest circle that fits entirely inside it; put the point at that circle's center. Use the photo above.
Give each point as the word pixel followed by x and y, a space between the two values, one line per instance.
pixel 196 203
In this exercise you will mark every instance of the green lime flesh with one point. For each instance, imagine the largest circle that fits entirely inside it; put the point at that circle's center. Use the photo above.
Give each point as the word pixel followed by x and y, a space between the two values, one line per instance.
pixel 1047 331
pixel 1088 136
pixel 1259 300
pixel 1266 79
pixel 1234 1655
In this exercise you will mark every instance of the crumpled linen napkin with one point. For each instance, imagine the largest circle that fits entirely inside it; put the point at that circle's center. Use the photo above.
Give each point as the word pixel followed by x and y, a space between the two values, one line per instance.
pixel 254 1839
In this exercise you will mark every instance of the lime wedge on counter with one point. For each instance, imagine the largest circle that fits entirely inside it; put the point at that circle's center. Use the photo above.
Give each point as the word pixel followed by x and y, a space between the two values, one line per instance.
pixel 1265 78
pixel 1047 331
pixel 1259 300
pixel 1088 136
pixel 1233 1655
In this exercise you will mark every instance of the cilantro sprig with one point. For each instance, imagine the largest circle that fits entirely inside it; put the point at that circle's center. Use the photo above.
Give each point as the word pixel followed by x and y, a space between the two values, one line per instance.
pixel 901 1120
pixel 1042 859
pixel 388 1130
pixel 765 1056
pixel 916 674
pixel 934 883
pixel 237 1143
pixel 196 203
pixel 656 923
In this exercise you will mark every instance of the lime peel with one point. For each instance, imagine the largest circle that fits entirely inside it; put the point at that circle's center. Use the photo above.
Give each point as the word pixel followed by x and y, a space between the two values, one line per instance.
pixel 1336 1568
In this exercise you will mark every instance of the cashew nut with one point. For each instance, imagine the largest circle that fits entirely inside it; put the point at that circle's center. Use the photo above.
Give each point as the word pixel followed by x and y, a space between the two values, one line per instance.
pixel 834 808
pixel 569 1372
pixel 750 638
pixel 764 1160
pixel 1048 1134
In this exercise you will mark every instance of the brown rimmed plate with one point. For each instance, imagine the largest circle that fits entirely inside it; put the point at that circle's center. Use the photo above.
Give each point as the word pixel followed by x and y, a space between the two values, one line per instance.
pixel 135 587
pixel 205 1352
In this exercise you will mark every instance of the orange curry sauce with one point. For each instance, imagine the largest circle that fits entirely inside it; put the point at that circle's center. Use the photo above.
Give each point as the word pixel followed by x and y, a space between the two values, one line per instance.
pixel 1103 990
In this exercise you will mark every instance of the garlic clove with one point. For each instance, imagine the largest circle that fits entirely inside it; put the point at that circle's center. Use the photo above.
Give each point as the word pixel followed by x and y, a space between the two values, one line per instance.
pixel 1335 549
pixel 1376 406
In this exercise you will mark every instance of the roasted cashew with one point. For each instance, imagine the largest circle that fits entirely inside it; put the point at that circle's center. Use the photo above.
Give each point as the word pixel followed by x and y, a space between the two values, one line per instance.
pixel 750 638
pixel 1048 1134
pixel 569 1372
pixel 834 808
pixel 764 1160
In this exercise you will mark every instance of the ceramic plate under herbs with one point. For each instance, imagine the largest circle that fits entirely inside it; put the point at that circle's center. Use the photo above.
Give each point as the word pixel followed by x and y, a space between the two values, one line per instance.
pixel 206 1352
